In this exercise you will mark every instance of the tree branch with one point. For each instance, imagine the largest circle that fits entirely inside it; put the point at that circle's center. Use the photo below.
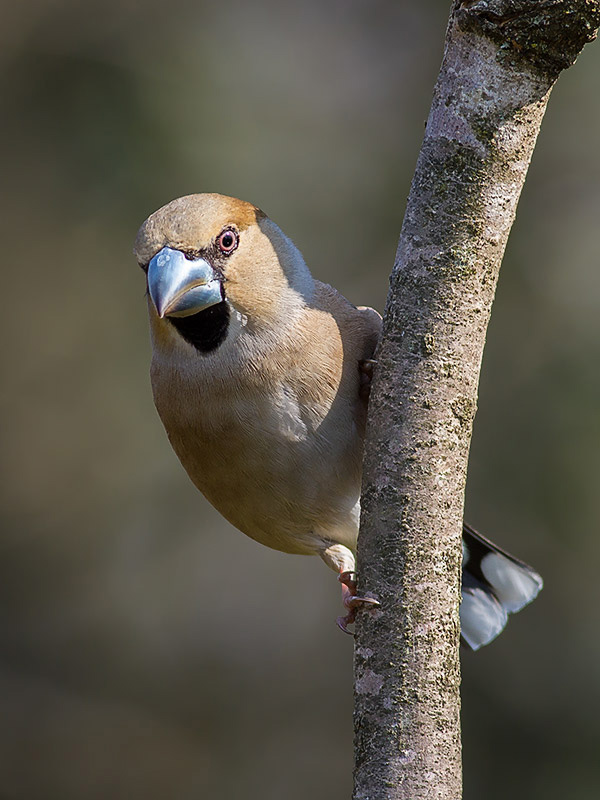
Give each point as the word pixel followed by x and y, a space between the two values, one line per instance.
pixel 501 60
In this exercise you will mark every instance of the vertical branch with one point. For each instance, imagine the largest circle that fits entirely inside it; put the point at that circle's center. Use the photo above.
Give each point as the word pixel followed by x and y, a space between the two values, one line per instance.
pixel 501 60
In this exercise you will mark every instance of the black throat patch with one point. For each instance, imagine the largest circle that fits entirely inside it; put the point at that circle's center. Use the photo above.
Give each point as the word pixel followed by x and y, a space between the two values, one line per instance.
pixel 205 330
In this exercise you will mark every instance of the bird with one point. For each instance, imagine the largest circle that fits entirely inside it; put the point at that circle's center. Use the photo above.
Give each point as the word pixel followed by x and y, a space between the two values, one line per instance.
pixel 260 375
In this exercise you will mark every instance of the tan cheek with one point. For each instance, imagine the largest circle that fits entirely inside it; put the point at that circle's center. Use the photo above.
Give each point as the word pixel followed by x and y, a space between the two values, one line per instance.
pixel 255 288
pixel 254 299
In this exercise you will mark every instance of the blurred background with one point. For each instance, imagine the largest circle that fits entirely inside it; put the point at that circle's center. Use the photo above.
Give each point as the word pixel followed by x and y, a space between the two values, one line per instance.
pixel 147 649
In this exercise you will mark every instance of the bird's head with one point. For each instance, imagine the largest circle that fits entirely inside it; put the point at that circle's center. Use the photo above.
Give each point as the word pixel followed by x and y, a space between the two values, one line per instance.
pixel 206 257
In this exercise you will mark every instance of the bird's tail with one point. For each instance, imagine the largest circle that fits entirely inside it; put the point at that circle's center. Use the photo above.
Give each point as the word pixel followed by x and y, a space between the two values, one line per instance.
pixel 494 585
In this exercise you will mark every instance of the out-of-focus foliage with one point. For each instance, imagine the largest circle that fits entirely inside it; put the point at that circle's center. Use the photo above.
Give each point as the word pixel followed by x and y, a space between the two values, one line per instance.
pixel 147 649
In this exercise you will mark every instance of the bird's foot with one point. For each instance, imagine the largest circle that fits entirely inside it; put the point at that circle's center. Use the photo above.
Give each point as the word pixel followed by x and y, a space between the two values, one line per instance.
pixel 352 601
pixel 366 367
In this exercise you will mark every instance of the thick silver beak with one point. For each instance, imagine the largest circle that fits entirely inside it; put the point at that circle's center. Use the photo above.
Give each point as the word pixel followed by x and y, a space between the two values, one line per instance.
pixel 179 286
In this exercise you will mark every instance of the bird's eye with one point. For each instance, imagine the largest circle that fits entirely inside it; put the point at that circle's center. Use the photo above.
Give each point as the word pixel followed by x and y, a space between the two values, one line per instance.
pixel 227 241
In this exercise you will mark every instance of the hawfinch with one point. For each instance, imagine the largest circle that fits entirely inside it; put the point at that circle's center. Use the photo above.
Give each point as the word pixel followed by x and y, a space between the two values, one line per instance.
pixel 260 376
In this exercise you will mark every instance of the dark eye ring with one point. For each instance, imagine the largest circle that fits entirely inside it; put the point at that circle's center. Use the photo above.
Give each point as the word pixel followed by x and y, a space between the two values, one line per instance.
pixel 227 241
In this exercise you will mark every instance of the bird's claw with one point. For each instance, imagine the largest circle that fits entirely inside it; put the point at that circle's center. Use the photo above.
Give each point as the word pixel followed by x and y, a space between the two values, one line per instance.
pixel 352 601
pixel 343 622
pixel 367 365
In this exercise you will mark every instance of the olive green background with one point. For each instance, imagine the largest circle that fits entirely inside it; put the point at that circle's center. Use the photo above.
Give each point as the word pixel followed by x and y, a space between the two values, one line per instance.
pixel 147 649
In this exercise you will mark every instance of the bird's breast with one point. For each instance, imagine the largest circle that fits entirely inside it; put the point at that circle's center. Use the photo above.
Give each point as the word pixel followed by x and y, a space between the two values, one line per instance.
pixel 277 466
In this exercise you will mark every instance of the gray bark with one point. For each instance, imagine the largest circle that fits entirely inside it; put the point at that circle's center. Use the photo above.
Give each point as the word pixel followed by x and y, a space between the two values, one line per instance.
pixel 500 62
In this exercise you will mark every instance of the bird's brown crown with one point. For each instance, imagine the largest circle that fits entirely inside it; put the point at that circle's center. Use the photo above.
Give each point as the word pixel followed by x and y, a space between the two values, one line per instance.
pixel 189 222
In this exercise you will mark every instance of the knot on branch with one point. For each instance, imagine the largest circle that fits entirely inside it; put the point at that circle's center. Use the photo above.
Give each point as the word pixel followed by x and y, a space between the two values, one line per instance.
pixel 546 34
